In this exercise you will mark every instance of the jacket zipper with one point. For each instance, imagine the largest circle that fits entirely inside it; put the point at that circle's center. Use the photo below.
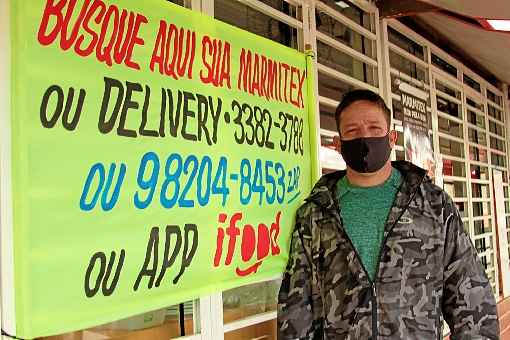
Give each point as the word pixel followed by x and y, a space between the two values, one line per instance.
pixel 385 239
pixel 372 283
pixel 374 312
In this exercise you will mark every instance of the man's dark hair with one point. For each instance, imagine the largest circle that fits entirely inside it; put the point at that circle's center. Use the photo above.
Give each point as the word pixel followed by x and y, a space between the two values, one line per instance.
pixel 358 95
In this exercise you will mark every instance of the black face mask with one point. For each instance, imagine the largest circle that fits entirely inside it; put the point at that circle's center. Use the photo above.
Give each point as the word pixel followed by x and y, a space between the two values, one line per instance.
pixel 367 154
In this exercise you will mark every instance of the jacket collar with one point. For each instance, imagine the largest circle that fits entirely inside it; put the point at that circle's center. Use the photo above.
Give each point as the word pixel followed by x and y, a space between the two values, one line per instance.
pixel 324 192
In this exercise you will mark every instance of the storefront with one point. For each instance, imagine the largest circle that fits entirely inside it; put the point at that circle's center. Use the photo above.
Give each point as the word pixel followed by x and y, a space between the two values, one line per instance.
pixel 467 129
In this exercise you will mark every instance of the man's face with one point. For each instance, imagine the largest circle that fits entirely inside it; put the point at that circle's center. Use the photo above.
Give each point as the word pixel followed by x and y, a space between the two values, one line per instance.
pixel 362 119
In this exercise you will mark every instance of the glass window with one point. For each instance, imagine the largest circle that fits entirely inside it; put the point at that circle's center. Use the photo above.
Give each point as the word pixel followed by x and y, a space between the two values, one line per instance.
pixel 345 64
pixel 476 119
pixel 242 302
pixel 246 18
pixel 481 209
pixel 494 97
pixel 446 106
pixel 450 127
pixel 408 67
pixel 451 148
pixel 495 113
pixel 461 206
pixel 478 154
pixel 472 83
pixel 395 83
pixel 498 160
pixel 480 190
pixel 351 11
pixel 497 129
pixel 332 88
pixel 498 144
pixel 483 244
pixel 440 86
pixel 166 323
pixel 343 34
pixel 281 5
pixel 444 65
pixel 405 43
pixel 264 330
pixel 455 189
pixel 478 137
pixel 480 172
pixel 474 104
pixel 327 117
pixel 453 168
pixel 466 226
pixel 487 263
pixel 482 226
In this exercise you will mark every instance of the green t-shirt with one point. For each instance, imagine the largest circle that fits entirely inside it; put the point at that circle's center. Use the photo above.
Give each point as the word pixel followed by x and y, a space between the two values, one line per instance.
pixel 364 212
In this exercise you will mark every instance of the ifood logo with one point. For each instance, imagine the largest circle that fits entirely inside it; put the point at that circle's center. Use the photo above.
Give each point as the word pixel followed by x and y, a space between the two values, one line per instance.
pixel 264 240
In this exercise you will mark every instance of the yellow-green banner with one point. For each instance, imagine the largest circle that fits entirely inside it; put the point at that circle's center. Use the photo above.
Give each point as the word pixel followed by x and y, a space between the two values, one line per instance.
pixel 157 155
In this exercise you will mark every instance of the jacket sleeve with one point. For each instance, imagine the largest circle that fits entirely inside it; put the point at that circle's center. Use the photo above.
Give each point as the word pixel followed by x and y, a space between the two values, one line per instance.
pixel 469 306
pixel 299 303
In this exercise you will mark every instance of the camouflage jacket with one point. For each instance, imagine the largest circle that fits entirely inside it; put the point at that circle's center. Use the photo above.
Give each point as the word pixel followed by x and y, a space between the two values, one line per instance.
pixel 428 271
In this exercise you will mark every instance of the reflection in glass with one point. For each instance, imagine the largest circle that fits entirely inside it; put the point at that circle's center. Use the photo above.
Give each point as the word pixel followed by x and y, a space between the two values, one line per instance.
pixel 444 65
pixel 451 148
pixel 345 64
pixel 242 302
pixel 450 127
pixel 351 11
pixel 344 35
pixel 453 168
pixel 408 67
pixel 249 19
pixel 479 172
pixel 482 226
pixel 162 324
pixel 261 331
pixel 479 190
pixel 449 107
pixel 476 119
pixel 478 137
pixel 481 209
pixel 477 154
pixel 455 189
pixel 332 88
pixel 405 43
pixel 472 83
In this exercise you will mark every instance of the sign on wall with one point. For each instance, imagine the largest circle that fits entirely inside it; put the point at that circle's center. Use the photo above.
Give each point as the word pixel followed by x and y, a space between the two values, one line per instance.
pixel 417 142
pixel 155 155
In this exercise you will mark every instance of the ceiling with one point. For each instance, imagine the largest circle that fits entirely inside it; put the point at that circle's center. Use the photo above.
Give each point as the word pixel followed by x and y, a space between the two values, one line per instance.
pixel 491 50
pixel 492 9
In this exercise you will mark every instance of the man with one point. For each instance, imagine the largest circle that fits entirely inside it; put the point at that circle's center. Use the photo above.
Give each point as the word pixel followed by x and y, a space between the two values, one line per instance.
pixel 379 252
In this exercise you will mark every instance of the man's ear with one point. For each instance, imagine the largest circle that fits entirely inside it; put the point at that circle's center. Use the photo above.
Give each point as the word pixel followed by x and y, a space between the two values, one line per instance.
pixel 337 143
pixel 393 138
